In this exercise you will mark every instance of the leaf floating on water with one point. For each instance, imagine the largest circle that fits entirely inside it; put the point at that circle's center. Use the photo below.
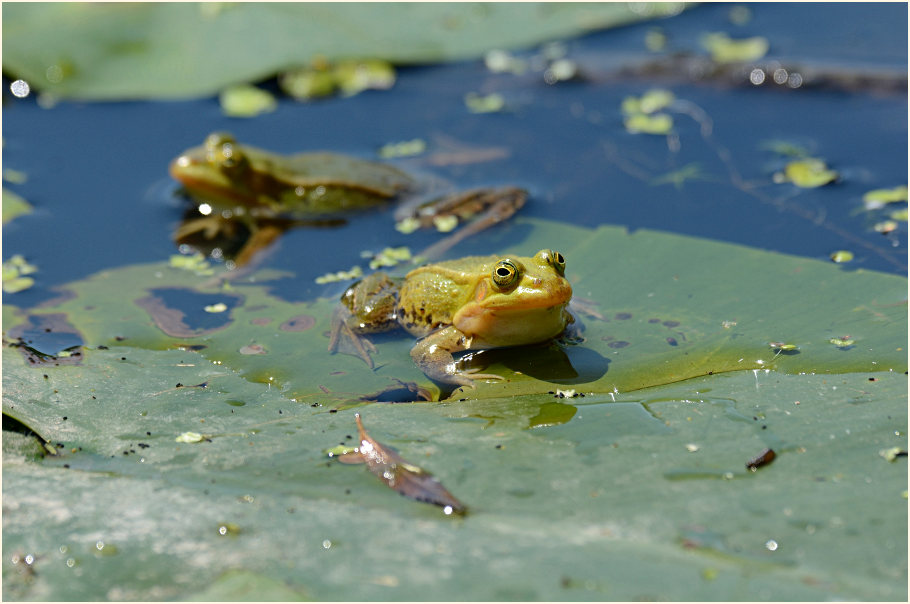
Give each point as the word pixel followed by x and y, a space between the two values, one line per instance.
pixel 390 256
pixel 725 49
pixel 806 173
pixel 403 149
pixel 355 273
pixel 841 256
pixel 659 123
pixel 877 198
pixel 885 227
pixel 490 103
pixel 14 274
pixel 408 479
pixel 650 102
pixel 14 205
pixel 246 101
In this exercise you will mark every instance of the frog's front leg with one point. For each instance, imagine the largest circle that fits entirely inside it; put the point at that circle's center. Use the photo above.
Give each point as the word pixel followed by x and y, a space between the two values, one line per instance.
pixel 433 354
pixel 368 306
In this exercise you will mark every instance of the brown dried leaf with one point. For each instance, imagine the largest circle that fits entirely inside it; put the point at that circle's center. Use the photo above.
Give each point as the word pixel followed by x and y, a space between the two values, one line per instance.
pixel 408 479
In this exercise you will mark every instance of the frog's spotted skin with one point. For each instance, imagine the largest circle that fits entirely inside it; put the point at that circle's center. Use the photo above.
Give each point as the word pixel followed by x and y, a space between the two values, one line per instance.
pixel 472 303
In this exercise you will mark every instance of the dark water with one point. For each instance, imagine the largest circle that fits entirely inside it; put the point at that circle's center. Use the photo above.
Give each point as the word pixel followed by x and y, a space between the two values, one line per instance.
pixel 97 172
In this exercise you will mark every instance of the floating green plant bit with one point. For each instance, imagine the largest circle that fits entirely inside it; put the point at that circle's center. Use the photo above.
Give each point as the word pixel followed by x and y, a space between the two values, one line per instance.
pixel 660 123
pixel 195 263
pixel 783 346
pixel 899 215
pixel 356 75
pixel 216 308
pixel 679 177
pixel 246 101
pixel 807 173
pixel 649 102
pixel 878 198
pixel 490 103
pixel 407 225
pixel 842 256
pixel 655 40
pixel 14 205
pixel 16 177
pixel 355 273
pixel 14 274
pixel 308 83
pixel 339 450
pixel 782 147
pixel 390 256
pixel 843 342
pixel 885 227
pixel 725 49
pixel 445 224
pixel 502 61
pixel 403 149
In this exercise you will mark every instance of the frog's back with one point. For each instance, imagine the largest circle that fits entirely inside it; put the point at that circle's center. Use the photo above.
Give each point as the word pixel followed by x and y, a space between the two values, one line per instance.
pixel 432 294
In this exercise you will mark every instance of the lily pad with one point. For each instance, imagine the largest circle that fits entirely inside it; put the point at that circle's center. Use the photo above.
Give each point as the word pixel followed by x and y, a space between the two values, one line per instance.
pixel 681 322
pixel 586 503
pixel 181 50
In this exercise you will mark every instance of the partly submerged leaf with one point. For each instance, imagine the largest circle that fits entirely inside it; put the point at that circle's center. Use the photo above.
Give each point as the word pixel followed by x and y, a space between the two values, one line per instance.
pixel 406 478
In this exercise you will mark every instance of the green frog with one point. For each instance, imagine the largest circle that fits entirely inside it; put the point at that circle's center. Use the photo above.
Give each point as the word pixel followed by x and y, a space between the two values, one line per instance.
pixel 229 175
pixel 268 193
pixel 472 303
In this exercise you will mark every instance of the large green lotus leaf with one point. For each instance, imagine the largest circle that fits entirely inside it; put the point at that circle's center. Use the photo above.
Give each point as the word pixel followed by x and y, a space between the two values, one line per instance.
pixel 180 50
pixel 673 308
pixel 637 496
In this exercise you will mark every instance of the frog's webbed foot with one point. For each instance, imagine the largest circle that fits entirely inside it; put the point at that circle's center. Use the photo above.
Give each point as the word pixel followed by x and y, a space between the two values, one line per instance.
pixel 346 340
pixel 483 207
pixel 433 354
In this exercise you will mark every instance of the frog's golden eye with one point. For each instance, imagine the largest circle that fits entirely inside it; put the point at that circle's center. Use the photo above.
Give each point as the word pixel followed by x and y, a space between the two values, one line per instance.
pixel 554 259
pixel 505 274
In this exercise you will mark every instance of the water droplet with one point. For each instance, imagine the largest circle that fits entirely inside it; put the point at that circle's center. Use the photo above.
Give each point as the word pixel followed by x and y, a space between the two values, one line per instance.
pixel 326 544
pixel 771 544
pixel 19 88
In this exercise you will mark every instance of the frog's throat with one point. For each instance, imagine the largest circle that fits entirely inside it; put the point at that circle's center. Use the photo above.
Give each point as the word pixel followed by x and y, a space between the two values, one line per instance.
pixel 494 327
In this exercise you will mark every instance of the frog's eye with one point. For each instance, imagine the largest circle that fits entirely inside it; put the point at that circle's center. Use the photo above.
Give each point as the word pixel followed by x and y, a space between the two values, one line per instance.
pixel 223 152
pixel 505 274
pixel 554 259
